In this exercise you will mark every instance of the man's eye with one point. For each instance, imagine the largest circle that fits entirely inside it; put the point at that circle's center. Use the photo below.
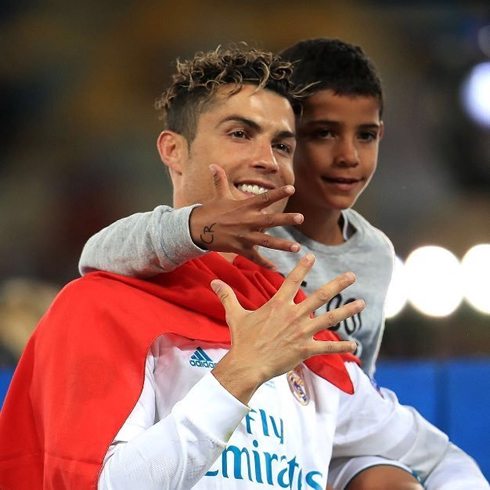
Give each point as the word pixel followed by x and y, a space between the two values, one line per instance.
pixel 283 147
pixel 239 134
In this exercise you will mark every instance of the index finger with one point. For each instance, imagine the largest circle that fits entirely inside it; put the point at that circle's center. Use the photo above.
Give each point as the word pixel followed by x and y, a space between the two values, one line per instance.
pixel 326 292
pixel 292 284
pixel 271 196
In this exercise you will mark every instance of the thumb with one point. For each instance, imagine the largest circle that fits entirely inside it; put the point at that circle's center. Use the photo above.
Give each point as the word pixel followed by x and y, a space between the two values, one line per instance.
pixel 225 294
pixel 220 181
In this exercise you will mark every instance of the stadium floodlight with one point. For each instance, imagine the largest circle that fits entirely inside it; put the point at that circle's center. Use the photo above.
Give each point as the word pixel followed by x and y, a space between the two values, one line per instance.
pixel 476 277
pixel 434 281
pixel 475 93
pixel 396 298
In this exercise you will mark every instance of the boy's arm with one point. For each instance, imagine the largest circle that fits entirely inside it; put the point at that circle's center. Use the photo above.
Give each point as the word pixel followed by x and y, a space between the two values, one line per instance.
pixel 143 244
pixel 146 244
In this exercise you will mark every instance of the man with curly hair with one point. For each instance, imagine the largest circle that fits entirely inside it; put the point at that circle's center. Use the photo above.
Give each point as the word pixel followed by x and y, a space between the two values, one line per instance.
pixel 130 384
pixel 118 364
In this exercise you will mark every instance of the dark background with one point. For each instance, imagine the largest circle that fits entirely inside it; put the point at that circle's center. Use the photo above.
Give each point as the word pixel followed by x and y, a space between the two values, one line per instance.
pixel 77 144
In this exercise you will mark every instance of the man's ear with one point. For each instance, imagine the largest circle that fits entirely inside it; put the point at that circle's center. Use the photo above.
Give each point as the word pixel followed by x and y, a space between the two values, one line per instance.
pixel 381 130
pixel 173 150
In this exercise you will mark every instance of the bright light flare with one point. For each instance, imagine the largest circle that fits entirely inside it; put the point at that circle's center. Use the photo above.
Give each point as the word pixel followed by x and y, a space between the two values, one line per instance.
pixel 476 93
pixel 396 297
pixel 476 277
pixel 434 281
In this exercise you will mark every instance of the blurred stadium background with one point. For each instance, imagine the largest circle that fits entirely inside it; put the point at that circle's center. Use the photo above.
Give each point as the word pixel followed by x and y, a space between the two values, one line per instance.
pixel 77 151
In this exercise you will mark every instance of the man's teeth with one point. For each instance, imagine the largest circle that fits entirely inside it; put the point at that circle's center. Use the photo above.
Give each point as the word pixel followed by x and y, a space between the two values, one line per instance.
pixel 252 189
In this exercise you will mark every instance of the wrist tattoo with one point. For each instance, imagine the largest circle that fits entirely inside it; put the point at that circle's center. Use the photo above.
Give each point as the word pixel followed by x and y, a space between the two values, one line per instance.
pixel 207 236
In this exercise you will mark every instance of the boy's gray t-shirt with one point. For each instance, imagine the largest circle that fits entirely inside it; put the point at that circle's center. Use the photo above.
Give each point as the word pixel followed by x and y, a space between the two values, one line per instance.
pixel 369 254
pixel 146 244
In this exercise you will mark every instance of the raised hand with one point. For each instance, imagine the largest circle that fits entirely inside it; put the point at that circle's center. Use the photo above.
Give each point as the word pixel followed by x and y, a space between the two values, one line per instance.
pixel 226 224
pixel 278 336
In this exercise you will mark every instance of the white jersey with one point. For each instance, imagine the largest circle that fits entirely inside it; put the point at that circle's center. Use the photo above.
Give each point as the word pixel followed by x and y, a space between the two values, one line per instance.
pixel 187 431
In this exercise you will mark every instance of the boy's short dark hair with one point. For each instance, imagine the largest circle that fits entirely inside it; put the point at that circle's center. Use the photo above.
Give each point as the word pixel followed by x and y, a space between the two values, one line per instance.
pixel 196 81
pixel 332 64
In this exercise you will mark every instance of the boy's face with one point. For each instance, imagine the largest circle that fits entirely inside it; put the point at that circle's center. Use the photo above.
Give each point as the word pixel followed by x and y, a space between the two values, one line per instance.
pixel 251 135
pixel 337 150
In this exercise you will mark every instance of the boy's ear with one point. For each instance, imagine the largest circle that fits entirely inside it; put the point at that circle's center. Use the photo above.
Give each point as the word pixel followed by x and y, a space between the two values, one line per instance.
pixel 381 130
pixel 173 150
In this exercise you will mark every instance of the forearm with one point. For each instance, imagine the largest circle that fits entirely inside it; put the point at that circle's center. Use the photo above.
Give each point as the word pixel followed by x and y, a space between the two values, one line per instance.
pixel 439 463
pixel 370 423
pixel 142 245
pixel 456 471
pixel 176 452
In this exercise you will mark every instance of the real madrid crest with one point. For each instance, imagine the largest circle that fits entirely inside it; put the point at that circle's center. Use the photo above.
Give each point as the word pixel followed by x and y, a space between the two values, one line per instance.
pixel 298 385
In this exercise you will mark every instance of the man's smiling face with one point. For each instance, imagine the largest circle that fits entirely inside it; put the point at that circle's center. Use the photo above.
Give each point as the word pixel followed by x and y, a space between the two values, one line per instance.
pixel 251 135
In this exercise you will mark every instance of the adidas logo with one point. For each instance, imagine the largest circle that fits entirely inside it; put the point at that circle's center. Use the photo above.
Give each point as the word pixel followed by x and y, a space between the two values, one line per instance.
pixel 201 359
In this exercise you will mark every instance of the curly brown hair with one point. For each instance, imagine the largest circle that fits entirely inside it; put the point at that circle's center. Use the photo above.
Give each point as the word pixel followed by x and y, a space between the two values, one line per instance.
pixel 196 81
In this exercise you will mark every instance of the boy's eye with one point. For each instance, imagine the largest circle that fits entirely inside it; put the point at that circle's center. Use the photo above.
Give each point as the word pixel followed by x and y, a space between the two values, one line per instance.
pixel 368 136
pixel 324 133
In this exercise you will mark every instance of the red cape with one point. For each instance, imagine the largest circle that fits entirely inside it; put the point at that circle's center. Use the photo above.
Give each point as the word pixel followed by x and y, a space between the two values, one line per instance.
pixel 83 368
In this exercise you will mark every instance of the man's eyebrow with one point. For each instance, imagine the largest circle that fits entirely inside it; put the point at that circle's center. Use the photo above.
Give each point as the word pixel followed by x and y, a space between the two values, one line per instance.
pixel 286 134
pixel 244 120
pixel 253 125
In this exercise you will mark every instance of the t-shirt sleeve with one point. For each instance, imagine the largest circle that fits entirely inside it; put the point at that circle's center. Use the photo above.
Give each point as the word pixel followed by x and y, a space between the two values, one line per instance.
pixel 175 452
pixel 143 244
